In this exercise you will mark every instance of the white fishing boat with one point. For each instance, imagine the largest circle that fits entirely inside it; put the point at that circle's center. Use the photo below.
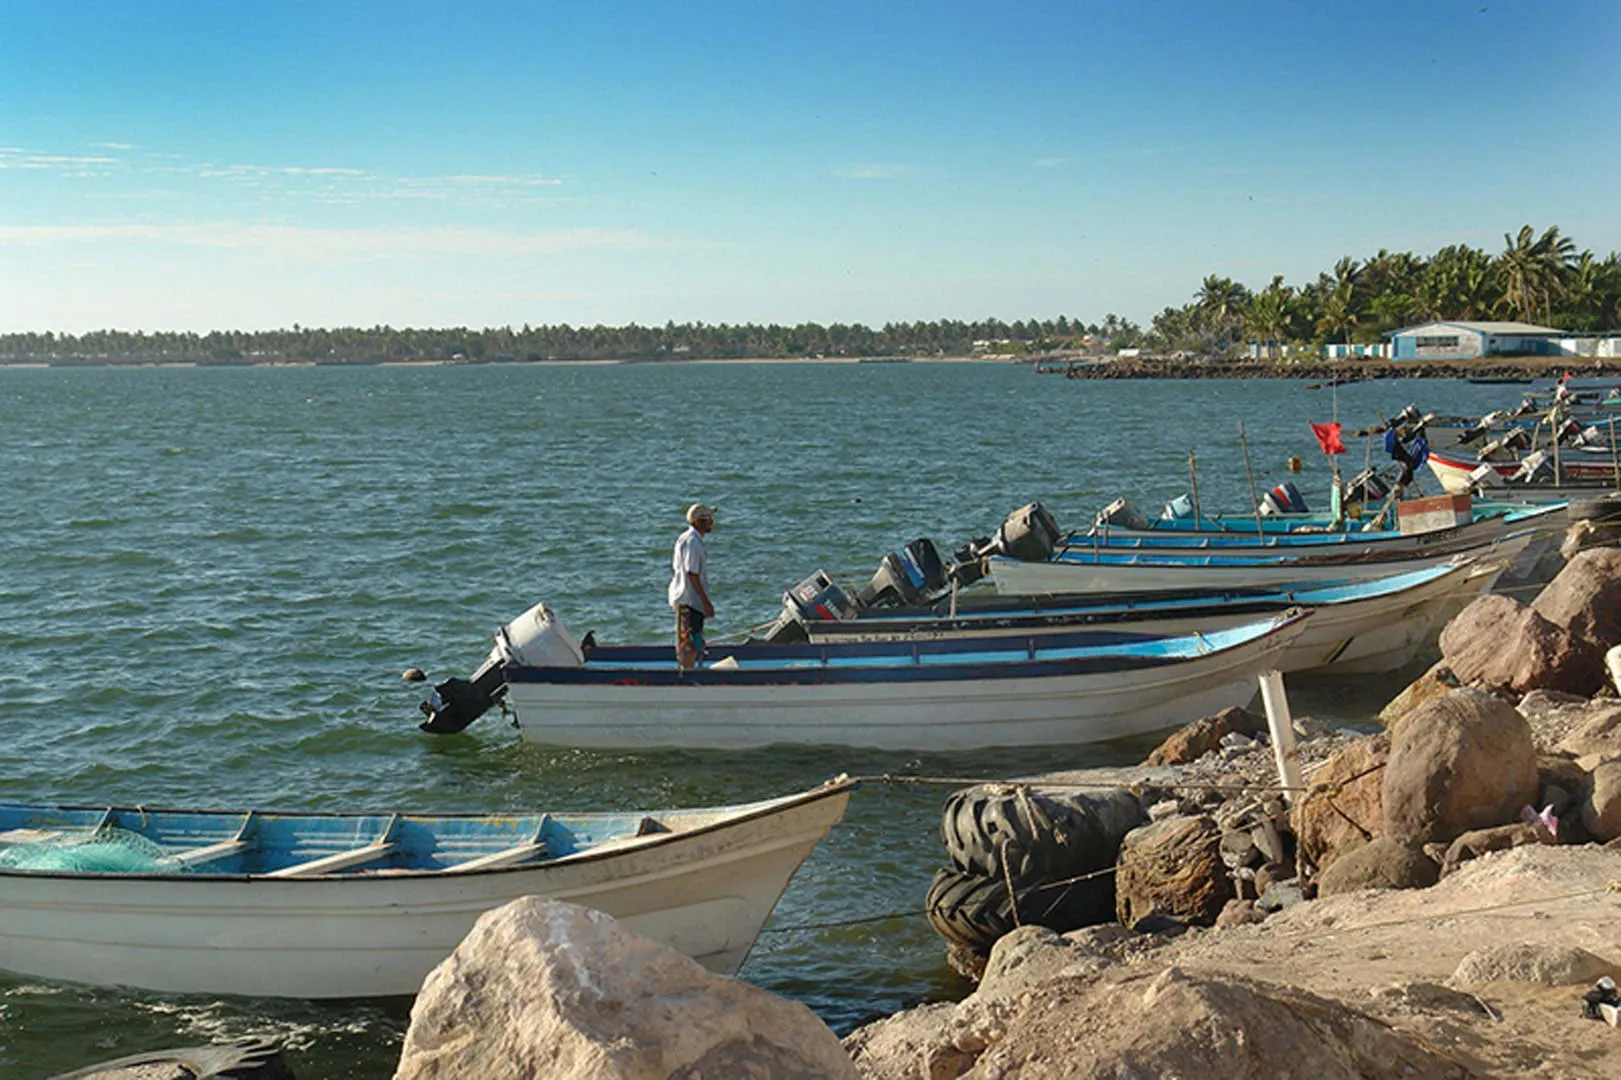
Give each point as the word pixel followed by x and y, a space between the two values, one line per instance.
pixel 1357 627
pixel 953 694
pixel 1075 571
pixel 363 905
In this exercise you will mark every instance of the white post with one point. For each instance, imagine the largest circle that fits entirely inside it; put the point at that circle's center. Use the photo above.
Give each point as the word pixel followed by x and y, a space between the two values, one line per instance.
pixel 1281 726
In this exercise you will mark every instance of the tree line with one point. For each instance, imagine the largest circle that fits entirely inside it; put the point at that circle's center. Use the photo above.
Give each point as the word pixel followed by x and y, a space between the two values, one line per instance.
pixel 672 341
pixel 1537 277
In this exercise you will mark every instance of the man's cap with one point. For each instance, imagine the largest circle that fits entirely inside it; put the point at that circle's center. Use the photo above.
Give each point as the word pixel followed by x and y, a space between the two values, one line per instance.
pixel 698 511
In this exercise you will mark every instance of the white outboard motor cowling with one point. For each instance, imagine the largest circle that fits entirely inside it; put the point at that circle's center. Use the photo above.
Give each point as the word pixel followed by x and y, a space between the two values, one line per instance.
pixel 537 638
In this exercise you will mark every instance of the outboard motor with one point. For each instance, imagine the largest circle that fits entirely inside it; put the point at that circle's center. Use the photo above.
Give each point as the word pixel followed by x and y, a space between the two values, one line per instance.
pixel 1526 407
pixel 1029 534
pixel 1479 428
pixel 1484 476
pixel 906 576
pixel 1366 487
pixel 1121 514
pixel 1514 440
pixel 537 638
pixel 1534 466
pixel 1283 499
pixel 1179 507
pixel 1569 430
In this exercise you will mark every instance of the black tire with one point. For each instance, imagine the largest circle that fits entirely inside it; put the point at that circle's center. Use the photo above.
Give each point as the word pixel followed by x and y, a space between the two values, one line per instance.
pixel 1597 509
pixel 1036 834
pixel 974 910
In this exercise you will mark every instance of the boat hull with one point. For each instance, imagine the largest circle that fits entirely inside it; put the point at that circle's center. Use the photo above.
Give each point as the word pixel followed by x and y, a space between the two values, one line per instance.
pixel 908 711
pixel 1380 632
pixel 705 893
pixel 1058 578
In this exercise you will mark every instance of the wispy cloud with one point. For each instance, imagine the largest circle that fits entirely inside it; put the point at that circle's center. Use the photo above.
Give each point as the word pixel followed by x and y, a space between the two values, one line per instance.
pixel 872 172
pixel 334 245
pixel 113 145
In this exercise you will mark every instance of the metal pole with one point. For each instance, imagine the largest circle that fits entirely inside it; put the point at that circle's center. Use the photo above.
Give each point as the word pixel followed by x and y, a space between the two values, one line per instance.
pixel 1193 483
pixel 1255 502
pixel 1281 727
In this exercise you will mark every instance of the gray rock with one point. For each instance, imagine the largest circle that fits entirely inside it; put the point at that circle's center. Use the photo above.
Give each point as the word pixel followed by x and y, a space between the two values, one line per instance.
pixel 1550 965
pixel 544 988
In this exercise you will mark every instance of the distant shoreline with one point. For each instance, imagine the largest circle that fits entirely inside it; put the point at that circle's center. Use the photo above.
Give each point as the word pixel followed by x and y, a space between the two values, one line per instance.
pixel 1328 372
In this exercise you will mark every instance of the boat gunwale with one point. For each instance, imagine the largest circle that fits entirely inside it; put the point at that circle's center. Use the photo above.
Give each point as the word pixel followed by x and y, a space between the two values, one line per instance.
pixel 841 785
pixel 667 675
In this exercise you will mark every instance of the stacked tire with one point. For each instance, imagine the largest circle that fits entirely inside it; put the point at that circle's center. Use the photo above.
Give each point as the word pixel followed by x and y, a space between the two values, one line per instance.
pixel 1021 857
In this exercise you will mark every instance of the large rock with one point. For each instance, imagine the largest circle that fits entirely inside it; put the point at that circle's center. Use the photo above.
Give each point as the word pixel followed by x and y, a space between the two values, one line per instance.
pixel 1342 808
pixel 543 988
pixel 1463 761
pixel 1188 1025
pixel 1549 965
pixel 1585 598
pixel 1379 864
pixel 1172 868
pixel 1195 740
pixel 1601 802
pixel 1597 730
pixel 1498 642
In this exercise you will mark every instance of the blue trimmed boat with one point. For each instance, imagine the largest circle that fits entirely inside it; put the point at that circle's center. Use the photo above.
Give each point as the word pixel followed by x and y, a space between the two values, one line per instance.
pixel 946 694
pixel 1357 627
pixel 365 905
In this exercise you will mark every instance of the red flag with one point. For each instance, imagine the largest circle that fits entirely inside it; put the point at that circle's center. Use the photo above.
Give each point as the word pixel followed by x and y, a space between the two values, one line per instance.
pixel 1328 437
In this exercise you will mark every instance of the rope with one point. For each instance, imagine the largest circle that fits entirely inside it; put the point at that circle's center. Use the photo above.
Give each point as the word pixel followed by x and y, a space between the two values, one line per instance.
pixel 1101 785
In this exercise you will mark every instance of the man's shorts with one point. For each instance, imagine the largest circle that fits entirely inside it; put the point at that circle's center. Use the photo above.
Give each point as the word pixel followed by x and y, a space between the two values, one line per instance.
pixel 689 633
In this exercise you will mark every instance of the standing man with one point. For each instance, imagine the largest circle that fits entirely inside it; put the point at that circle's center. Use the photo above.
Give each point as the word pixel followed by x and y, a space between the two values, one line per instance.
pixel 689 586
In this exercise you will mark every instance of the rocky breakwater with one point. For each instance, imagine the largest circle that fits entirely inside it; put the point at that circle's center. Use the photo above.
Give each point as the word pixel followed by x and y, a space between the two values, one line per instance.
pixel 1438 902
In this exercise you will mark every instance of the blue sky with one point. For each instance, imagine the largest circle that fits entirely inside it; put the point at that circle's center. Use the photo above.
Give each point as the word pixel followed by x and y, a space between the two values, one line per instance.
pixel 212 165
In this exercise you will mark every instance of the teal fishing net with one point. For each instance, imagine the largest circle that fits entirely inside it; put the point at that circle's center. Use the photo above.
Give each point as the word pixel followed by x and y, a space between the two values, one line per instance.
pixel 107 851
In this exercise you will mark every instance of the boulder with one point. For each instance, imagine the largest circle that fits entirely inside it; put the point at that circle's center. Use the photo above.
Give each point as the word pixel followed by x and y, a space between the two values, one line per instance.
pixel 1381 863
pixel 1561 782
pixel 1601 802
pixel 1195 740
pixel 1174 1024
pixel 1585 598
pixel 1478 842
pixel 908 1045
pixel 1463 761
pixel 1432 684
pixel 1497 642
pixel 1342 807
pixel 1549 965
pixel 1173 869
pixel 544 988
pixel 1597 731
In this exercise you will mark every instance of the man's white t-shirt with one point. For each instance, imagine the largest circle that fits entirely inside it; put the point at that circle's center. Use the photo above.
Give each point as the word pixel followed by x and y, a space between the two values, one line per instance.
pixel 688 558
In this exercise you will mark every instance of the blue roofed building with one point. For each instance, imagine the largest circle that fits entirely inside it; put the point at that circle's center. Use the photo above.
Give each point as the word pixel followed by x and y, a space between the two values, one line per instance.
pixel 1473 341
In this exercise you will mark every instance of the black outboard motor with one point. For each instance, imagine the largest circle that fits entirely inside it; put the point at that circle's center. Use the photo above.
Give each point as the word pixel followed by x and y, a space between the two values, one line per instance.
pixel 1479 428
pixel 537 638
pixel 1029 534
pixel 1365 488
pixel 455 703
pixel 907 576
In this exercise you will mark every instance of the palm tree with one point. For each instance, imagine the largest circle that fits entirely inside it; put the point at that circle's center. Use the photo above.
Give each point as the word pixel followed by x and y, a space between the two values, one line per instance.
pixel 1267 319
pixel 1532 270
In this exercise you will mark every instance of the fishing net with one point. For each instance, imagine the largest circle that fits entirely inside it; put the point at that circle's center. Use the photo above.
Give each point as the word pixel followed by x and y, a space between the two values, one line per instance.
pixel 106 851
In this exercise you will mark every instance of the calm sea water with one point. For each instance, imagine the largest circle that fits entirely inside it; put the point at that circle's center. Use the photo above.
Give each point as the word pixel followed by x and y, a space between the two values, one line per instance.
pixel 211 580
